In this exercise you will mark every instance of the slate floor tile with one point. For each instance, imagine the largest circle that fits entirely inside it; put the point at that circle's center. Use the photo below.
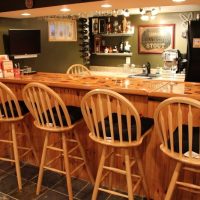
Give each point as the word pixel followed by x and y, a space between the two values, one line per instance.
pixel 86 193
pixel 6 197
pixel 77 186
pixel 28 172
pixel 49 178
pixel 52 195
pixel 9 184
pixel 28 192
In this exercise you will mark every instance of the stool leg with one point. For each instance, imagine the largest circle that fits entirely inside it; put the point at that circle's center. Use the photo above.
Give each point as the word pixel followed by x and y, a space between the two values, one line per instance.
pixel 41 171
pixel 67 169
pixel 141 171
pixel 173 181
pixel 11 147
pixel 84 157
pixel 128 175
pixel 16 157
pixel 99 173
pixel 30 143
pixel 111 165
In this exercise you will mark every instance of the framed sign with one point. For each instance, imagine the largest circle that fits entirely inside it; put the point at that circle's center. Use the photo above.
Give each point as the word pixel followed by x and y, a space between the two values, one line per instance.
pixel 154 39
pixel 62 30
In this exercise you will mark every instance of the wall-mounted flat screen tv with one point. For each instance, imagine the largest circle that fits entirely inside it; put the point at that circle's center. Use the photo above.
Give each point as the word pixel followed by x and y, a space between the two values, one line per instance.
pixel 24 41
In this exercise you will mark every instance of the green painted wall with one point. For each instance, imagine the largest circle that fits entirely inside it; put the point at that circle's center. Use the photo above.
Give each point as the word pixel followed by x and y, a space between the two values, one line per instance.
pixel 58 56
pixel 54 57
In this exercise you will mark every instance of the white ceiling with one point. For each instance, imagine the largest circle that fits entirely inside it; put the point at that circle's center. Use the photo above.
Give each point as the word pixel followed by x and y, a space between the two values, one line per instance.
pixel 93 7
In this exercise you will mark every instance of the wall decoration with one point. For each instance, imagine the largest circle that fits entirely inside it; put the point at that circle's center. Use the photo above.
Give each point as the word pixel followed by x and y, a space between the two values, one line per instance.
pixel 62 30
pixel 154 39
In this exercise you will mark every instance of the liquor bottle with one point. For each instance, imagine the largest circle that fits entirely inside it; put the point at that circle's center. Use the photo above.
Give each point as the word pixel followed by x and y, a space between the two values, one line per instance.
pixel 121 47
pixel 83 20
pixel 108 26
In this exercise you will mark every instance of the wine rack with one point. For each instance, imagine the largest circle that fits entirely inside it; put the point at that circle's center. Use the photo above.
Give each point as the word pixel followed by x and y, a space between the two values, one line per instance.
pixel 85 39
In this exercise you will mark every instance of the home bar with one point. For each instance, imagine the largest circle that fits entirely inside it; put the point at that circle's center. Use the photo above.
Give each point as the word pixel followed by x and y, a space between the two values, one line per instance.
pixel 101 101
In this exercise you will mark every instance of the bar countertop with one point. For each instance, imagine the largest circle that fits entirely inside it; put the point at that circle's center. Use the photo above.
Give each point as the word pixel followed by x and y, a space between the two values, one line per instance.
pixel 153 88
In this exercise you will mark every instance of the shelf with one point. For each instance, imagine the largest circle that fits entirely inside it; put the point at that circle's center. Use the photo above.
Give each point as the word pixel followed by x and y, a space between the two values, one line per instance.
pixel 117 34
pixel 113 54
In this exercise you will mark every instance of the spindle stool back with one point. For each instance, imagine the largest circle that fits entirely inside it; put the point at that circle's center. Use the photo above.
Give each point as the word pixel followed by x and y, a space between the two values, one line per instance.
pixel 53 116
pixel 115 123
pixel 177 122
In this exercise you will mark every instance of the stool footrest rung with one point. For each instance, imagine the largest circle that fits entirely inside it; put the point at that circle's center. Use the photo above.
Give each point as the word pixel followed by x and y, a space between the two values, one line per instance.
pixel 116 170
pixel 25 153
pixel 55 170
pixel 73 149
pixel 75 157
pixel 191 169
pixel 77 168
pixel 113 192
pixel 188 186
pixel 54 148
pixel 6 141
pixel 7 159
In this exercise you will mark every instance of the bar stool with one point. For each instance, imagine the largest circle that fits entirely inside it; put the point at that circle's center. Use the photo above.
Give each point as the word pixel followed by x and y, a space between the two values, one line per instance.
pixel 177 123
pixel 78 69
pixel 12 114
pixel 115 124
pixel 53 116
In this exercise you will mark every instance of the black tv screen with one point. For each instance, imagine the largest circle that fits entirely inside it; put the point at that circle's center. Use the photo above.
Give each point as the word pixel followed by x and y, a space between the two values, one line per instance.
pixel 24 41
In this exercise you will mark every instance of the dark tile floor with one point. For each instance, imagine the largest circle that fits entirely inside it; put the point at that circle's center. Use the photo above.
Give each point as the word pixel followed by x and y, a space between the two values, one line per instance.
pixel 53 185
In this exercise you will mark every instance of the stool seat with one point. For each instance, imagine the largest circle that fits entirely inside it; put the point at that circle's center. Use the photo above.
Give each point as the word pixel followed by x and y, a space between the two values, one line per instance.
pixel 146 123
pixel 22 105
pixel 185 139
pixel 74 114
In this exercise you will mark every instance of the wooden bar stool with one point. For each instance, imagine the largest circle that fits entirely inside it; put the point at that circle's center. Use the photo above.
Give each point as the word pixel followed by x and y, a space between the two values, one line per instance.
pixel 12 114
pixel 53 116
pixel 177 123
pixel 78 69
pixel 115 124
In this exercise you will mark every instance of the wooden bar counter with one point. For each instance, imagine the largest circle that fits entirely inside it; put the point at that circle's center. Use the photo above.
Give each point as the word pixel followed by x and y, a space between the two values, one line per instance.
pixel 144 94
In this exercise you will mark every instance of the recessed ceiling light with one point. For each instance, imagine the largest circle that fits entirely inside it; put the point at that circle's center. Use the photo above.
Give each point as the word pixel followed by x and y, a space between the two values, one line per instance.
pixel 25 14
pixel 64 9
pixel 177 1
pixel 106 5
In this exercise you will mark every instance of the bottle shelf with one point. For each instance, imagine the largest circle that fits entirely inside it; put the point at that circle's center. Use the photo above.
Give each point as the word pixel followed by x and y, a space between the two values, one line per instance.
pixel 112 54
pixel 117 34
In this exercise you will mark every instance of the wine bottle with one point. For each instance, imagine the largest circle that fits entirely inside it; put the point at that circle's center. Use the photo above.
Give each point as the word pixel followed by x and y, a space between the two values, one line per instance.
pixel 84 37
pixel 84 44
pixel 84 26
pixel 83 20
pixel 84 49
pixel 83 31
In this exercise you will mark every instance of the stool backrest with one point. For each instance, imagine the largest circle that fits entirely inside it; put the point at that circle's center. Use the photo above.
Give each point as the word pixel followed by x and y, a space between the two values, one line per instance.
pixel 46 106
pixel 9 105
pixel 98 107
pixel 78 69
pixel 177 121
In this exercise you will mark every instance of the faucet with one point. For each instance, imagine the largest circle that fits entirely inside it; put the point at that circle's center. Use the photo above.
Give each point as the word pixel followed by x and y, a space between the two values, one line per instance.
pixel 148 68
